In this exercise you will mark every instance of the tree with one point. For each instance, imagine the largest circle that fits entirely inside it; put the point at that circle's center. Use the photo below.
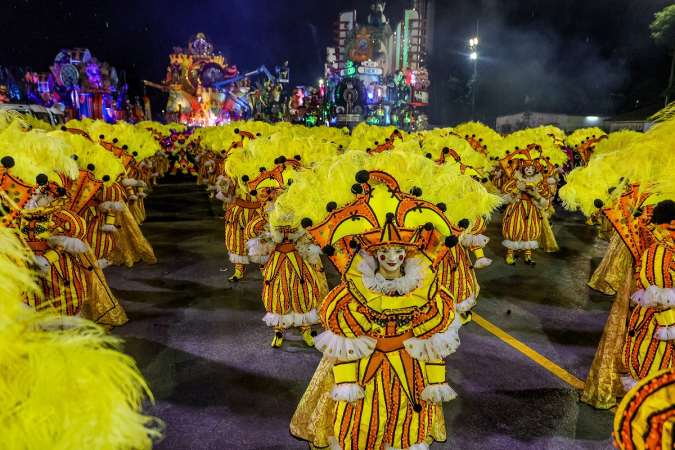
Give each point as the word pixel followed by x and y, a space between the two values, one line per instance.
pixel 663 32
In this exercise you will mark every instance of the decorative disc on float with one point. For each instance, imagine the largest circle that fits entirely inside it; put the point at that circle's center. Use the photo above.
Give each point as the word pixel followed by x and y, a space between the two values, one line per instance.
pixel 69 75
pixel 212 73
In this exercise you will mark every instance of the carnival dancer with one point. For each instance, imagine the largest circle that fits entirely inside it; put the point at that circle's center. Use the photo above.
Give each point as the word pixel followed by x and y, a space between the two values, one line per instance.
pixel 527 195
pixel 389 323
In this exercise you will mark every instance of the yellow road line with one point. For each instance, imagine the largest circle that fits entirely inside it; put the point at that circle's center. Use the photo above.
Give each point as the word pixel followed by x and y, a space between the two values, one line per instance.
pixel 527 351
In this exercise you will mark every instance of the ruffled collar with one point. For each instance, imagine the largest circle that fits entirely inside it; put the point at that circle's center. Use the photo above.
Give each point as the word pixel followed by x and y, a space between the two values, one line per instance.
pixel 413 276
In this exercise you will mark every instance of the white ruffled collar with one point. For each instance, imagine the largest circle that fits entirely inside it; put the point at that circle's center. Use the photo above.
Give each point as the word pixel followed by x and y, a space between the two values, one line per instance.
pixel 413 276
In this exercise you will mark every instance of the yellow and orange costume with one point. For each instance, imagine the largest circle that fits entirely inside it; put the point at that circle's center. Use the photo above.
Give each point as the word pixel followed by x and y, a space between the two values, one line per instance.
pixel 385 339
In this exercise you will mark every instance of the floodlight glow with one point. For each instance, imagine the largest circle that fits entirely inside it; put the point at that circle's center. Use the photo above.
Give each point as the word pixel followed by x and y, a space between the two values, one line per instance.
pixel 474 55
pixel 592 118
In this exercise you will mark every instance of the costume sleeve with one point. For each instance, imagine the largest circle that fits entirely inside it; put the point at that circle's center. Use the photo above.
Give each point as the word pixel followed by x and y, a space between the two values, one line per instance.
pixel 511 193
pixel 68 233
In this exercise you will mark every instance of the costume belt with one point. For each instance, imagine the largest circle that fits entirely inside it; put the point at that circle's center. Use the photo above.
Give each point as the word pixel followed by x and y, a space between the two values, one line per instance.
pixel 38 246
pixel 286 247
pixel 247 205
pixel 389 345
pixel 525 197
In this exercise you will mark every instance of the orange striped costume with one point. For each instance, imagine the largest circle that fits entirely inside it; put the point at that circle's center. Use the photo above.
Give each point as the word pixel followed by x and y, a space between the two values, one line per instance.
pixel 649 344
pixel 100 218
pixel 389 373
pixel 238 214
pixel 522 223
pixel 56 234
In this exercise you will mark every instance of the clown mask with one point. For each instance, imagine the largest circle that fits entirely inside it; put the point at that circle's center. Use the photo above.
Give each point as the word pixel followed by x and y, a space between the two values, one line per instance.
pixel 528 171
pixel 390 260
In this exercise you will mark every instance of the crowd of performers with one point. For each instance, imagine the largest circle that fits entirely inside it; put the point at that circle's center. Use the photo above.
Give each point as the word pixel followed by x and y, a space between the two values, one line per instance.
pixel 400 215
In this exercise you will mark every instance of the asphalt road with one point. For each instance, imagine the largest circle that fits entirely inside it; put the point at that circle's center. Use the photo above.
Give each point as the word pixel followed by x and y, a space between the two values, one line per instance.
pixel 201 343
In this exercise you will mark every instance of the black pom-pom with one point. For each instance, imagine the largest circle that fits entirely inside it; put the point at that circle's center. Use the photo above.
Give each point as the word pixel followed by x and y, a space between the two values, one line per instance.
pixel 125 147
pixel 368 150
pixel 416 191
pixel 484 180
pixel 258 134
pixel 91 167
pixel 377 143
pixel 480 140
pixel 451 241
pixel 41 179
pixel 508 152
pixel 508 311
pixel 100 136
pixel 135 153
pixel 428 155
pixel 306 222
pixel 60 191
pixel 664 212
pixel 442 207
pixel 236 131
pixel 297 158
pixel 638 212
pixel 353 243
pixel 428 226
pixel 390 217
pixel 63 128
pixel 302 281
pixel 417 408
pixel 446 150
pixel 115 140
pixel 464 223
pixel 556 166
pixel 631 333
pixel 268 282
pixel 357 188
pixel 290 181
pixel 74 156
pixel 282 159
pixel 611 189
pixel 331 206
pixel 313 333
pixel 598 203
pixel 328 250
pixel 262 169
pixel 386 139
pixel 245 178
pixel 7 162
pixel 362 176
pixel 254 192
pixel 106 178
pixel 473 135
pixel 276 161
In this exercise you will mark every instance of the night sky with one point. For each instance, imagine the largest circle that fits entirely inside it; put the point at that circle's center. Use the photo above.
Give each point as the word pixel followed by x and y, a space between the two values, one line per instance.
pixel 552 56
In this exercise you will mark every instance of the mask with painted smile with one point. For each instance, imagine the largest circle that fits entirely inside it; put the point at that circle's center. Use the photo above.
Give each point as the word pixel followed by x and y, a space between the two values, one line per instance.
pixel 390 260
pixel 528 171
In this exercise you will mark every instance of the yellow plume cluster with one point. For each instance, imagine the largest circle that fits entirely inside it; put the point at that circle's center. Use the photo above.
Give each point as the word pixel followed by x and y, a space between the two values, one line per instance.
pixel 470 157
pixel 87 152
pixel 523 138
pixel 69 388
pixel 489 138
pixel 331 180
pixel 580 136
pixel 37 152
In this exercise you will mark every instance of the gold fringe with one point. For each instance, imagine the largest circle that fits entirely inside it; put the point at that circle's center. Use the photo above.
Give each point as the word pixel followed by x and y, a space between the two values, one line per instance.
pixel 130 245
pixel 100 305
pixel 611 272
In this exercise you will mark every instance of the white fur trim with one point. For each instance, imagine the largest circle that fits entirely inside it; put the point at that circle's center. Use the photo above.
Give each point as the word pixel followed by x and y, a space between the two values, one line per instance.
pixel 542 203
pixel 466 304
pixel 198 158
pixel 628 383
pixel 129 182
pixel 482 262
pixel 133 197
pixel 141 184
pixel 113 206
pixel 413 278
pixel 521 186
pixel 344 348
pixel 141 194
pixel 347 392
pixel 438 346
pixel 551 180
pixel 475 240
pixel 211 171
pixel 437 393
pixel 259 259
pixel 225 198
pixel 109 228
pixel 278 237
pixel 508 198
pixel 73 246
pixel 155 174
pixel 259 247
pixel 209 163
pixel 238 259
pixel 420 446
pixel 307 319
pixel 279 320
pixel 655 297
pixel 309 252
pixel 520 245
pixel 41 265
pixel 104 263
pixel 666 333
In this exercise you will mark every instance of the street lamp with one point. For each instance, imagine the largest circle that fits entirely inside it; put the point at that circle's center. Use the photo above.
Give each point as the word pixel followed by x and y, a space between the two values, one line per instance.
pixel 473 46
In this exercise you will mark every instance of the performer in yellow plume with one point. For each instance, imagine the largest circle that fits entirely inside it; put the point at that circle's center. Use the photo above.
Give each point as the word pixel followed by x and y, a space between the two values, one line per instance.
pixel 389 323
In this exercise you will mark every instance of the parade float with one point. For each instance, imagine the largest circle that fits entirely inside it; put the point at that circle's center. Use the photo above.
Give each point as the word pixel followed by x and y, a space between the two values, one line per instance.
pixel 375 73
pixel 78 84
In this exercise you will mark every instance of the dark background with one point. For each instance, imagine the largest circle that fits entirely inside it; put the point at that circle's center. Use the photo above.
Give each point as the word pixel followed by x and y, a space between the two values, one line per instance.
pixel 562 56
